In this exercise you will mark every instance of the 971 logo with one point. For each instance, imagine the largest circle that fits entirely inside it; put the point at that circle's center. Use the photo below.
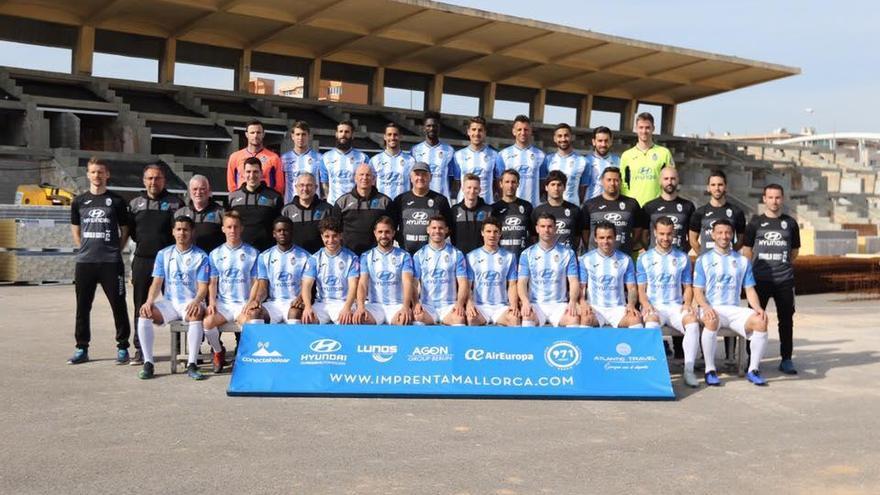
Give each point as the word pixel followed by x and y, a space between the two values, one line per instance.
pixel 562 355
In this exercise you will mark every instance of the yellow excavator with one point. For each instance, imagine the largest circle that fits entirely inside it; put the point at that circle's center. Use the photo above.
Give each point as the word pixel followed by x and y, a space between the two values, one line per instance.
pixel 42 195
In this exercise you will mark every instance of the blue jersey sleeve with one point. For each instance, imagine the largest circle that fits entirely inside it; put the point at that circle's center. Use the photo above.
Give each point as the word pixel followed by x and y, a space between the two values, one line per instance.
pixel 699 274
pixel 641 273
pixel 159 265
pixel 571 270
pixel 499 166
pixel 523 267
pixel 323 175
pixel 215 270
pixel 311 270
pixel 470 273
pixel 749 278
pixel 354 270
pixel 542 169
pixel 629 276
pixel 687 276
pixel 407 263
pixel 512 270
pixel 204 273
pixel 586 178
pixel 461 270
pixel 262 266
pixel 454 169
pixel 583 275
pixel 417 264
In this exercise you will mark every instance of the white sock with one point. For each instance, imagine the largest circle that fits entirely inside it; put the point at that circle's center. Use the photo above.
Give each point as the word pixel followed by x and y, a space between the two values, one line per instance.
pixel 710 341
pixel 145 334
pixel 691 344
pixel 529 323
pixel 258 322
pixel 213 336
pixel 652 324
pixel 758 344
pixel 576 325
pixel 194 334
pixel 295 321
pixel 457 325
pixel 418 323
pixel 637 325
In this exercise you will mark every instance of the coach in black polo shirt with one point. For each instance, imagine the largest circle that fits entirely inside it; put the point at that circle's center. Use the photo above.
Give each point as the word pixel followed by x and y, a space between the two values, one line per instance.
pixel 359 210
pixel 306 211
pixel 205 213
pixel 413 209
pixel 468 216
pixel 772 241
pixel 257 204
pixel 569 222
pixel 517 228
pixel 624 212
pixel 670 204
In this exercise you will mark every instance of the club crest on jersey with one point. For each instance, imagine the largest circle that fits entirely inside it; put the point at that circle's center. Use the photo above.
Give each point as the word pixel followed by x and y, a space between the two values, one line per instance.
pixel 341 264
pixel 522 210
pixel 674 262
pixel 622 205
pixel 430 203
pixel 654 157
pixel 784 224
pixel 292 260
pixel 109 201
pixel 615 264
pixel 481 215
pixel 163 206
pixel 556 258
pixel 374 203
pixel 241 256
pixel 729 213
pixel 733 263
pixel 679 207
pixel 567 212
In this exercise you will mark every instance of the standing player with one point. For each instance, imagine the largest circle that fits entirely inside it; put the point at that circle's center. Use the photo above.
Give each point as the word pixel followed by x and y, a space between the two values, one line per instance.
pixel 568 216
pixel 600 159
pixel 624 212
pixel 306 210
pixel 525 158
pixel 338 165
pixel 359 209
pixel 183 270
pixel 301 159
pixel 392 166
pixel 670 205
pixel 642 163
pixel 276 296
pixel 717 208
pixel 548 279
pixel 99 226
pixel 666 292
pixel 270 163
pixel 478 159
pixel 257 205
pixel 205 213
pixel 440 279
pixel 336 271
pixel 515 214
pixel 719 278
pixel 772 240
pixel 436 154
pixel 233 271
pixel 492 273
pixel 571 164
pixel 386 280
pixel 608 280
pixel 468 216
pixel 412 209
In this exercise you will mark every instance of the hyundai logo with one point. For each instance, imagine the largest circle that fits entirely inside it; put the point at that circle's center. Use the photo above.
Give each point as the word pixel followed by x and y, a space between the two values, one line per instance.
pixel 513 221
pixel 386 276
pixel 96 213
pixel 420 216
pixel 325 345
pixel 612 217
pixel 773 236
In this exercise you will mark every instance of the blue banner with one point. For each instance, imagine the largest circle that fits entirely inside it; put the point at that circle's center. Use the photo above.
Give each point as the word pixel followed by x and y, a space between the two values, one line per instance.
pixel 366 360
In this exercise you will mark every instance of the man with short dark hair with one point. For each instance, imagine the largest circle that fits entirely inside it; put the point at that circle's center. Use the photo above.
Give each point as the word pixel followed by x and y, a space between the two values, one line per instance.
pixel 276 297
pixel 386 280
pixel 338 165
pixel 302 159
pixel 438 155
pixel 599 159
pixel 641 164
pixel 333 272
pixel 478 159
pixel 257 204
pixel 392 165
pixel 440 279
pixel 413 209
pixel 570 163
pixel 468 215
pixel 569 223
pixel 359 209
pixel 624 212
pixel 270 163
pixel 515 214
pixel 492 272
pixel 608 281
pixel 205 214
pixel 525 158
pixel 306 210
pixel 718 207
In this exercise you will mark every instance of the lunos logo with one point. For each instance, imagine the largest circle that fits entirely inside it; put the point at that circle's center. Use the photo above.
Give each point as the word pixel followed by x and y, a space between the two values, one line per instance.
pixel 379 353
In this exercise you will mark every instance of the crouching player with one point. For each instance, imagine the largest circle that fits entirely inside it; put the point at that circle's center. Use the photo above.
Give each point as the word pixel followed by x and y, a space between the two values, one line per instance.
pixel 666 292
pixel 441 282
pixel 386 280
pixel 719 278
pixel 492 271
pixel 183 269
pixel 609 278
pixel 233 270
pixel 548 279
pixel 279 278
pixel 335 270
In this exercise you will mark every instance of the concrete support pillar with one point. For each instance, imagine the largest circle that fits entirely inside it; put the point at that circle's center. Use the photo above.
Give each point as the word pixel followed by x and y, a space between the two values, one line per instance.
pixel 313 84
pixel 84 51
pixel 243 71
pixel 435 93
pixel 378 87
pixel 585 111
pixel 536 109
pixel 667 126
pixel 166 64
pixel 628 116
pixel 487 103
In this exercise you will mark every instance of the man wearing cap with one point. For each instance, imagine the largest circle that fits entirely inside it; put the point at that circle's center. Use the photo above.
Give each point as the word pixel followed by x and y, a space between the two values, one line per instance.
pixel 413 209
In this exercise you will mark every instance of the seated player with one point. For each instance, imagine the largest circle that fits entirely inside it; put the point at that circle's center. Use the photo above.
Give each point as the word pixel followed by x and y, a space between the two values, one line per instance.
pixel 492 271
pixel 335 270
pixel 609 280
pixel 544 269
pixel 719 278
pixel 441 284
pixel 233 271
pixel 386 280
pixel 183 270
pixel 666 292
pixel 279 278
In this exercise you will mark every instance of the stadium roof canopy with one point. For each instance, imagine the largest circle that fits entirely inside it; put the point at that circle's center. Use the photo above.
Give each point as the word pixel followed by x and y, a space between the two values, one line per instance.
pixel 424 37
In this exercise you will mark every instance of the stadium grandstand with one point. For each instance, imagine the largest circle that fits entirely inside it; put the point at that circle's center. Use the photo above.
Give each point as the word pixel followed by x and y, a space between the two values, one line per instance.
pixel 331 68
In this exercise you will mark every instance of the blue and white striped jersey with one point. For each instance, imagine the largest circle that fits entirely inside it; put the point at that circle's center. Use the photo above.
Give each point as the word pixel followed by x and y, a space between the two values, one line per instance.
pixel 392 172
pixel 548 272
pixel 182 271
pixel 595 166
pixel 606 277
pixel 235 270
pixel 438 272
pixel 664 274
pixel 293 164
pixel 490 273
pixel 337 171
pixel 574 167
pixel 484 164
pixel 723 276
pixel 529 162
pixel 386 274
pixel 439 158
pixel 332 273
pixel 283 270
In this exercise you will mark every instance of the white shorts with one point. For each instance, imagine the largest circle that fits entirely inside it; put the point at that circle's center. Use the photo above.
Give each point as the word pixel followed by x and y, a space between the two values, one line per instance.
pixel 609 315
pixel 549 312
pixel 278 310
pixel 383 313
pixel 492 312
pixel 170 311
pixel 329 311
pixel 439 312
pixel 670 315
pixel 733 317
pixel 230 311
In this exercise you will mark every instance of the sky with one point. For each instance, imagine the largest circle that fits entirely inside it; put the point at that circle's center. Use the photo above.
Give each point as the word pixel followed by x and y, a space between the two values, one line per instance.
pixel 834 45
